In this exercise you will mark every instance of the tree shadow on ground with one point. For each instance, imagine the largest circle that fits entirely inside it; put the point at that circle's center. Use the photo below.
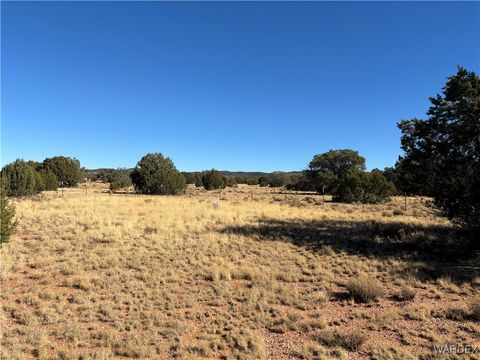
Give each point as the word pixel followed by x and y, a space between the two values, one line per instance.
pixel 435 247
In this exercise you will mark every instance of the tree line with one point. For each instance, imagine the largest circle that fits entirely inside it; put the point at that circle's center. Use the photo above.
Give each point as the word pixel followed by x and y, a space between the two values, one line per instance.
pixel 441 159
pixel 23 178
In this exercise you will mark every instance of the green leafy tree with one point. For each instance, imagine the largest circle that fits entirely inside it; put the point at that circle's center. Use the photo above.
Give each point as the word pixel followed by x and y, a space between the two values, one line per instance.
pixel 442 152
pixel 342 174
pixel 7 214
pixel 19 179
pixel 155 174
pixel 213 179
pixel 330 168
pixel 67 170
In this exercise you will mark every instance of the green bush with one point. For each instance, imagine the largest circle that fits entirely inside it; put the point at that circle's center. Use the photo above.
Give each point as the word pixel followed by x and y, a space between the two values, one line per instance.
pixel 189 177
pixel 119 179
pixel 39 181
pixel 214 180
pixel 278 179
pixel 376 188
pixel 19 179
pixel 67 170
pixel 363 187
pixel 275 179
pixel 155 174
pixel 263 181
pixel 8 224
pixel 50 180
pixel 198 180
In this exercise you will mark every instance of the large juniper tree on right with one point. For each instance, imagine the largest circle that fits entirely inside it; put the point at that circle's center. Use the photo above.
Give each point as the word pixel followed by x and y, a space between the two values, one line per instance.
pixel 443 151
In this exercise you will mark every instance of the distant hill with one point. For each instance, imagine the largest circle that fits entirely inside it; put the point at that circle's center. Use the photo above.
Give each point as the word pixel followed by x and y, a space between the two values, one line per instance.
pixel 249 174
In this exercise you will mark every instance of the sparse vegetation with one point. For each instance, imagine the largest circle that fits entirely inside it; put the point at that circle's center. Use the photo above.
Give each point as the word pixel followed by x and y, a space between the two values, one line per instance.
pixel 135 276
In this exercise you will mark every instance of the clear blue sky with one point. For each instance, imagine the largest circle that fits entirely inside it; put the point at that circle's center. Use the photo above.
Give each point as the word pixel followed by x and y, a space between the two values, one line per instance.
pixel 235 86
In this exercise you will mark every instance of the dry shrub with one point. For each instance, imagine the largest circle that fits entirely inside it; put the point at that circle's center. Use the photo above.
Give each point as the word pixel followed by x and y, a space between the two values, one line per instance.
pixel 406 293
pixel 475 308
pixel 313 324
pixel 389 353
pixel 246 345
pixel 327 250
pixel 419 313
pixel 350 341
pixel 311 350
pixel 454 313
pixel 364 289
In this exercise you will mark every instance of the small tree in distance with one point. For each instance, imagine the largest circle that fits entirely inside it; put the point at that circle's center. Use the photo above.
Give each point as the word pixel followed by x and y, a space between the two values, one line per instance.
pixel 342 173
pixel 331 168
pixel 213 179
pixel 155 174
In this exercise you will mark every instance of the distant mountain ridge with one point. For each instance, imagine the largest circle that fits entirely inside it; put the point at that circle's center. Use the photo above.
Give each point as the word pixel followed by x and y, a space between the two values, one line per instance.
pixel 250 174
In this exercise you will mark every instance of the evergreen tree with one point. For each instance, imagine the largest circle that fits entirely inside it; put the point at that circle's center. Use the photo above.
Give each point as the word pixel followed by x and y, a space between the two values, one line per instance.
pixel 442 152
pixel 213 180
pixel 7 213
pixel 155 174
pixel 19 179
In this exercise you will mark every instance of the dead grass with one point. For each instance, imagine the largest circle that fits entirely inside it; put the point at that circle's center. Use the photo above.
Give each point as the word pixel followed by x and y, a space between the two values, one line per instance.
pixel 475 308
pixel 405 293
pixel 103 276
pixel 364 289
pixel 350 341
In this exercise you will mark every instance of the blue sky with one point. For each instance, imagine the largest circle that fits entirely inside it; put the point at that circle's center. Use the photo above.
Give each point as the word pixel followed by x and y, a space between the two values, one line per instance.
pixel 235 86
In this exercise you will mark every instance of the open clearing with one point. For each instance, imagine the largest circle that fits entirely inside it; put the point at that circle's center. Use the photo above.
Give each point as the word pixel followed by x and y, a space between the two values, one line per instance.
pixel 264 275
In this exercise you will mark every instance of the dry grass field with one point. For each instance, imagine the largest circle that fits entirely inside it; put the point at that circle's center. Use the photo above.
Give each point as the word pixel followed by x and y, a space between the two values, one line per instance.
pixel 265 274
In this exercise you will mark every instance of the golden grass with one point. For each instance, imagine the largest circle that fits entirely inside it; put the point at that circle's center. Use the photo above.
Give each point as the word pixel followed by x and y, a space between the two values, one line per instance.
pixel 125 276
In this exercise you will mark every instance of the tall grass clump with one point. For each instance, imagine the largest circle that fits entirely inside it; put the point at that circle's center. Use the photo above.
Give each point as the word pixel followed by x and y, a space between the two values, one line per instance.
pixel 364 289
